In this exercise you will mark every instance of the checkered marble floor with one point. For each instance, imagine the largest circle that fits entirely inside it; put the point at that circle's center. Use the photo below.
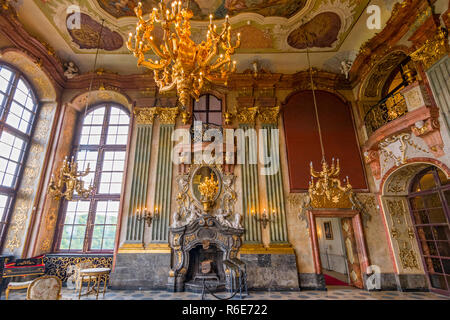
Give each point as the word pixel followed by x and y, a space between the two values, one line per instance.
pixel 338 293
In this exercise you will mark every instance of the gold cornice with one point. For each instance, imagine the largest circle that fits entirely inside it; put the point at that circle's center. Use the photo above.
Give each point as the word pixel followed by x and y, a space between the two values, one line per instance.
pixel 168 115
pixel 150 248
pixel 274 248
pixel 145 115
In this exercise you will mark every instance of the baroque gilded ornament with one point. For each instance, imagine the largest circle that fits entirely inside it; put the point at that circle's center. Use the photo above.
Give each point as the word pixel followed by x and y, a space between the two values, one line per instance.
pixel 145 115
pixel 69 181
pixel 183 64
pixel 433 49
pixel 327 191
pixel 208 189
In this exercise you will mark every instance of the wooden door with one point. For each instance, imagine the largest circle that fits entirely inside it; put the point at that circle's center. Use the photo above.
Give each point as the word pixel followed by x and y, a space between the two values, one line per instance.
pixel 354 268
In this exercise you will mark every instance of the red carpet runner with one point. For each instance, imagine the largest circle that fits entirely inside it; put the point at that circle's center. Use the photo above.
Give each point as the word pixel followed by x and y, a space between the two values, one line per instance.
pixel 331 281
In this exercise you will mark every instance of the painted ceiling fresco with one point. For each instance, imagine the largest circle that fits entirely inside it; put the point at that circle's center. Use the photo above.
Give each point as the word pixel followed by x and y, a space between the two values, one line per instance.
pixel 219 8
pixel 86 37
pixel 267 27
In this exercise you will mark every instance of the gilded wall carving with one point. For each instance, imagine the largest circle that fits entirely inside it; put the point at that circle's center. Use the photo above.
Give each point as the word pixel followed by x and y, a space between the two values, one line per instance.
pixel 59 265
pixel 399 181
pixel 395 148
pixel 433 49
pixel 400 231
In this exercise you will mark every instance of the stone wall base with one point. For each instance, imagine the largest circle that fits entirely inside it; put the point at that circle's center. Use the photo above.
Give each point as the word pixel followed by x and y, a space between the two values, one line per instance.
pixel 141 271
pixel 277 272
pixel 312 281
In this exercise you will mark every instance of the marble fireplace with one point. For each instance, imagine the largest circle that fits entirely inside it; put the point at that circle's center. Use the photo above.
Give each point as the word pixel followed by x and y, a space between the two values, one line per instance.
pixel 204 250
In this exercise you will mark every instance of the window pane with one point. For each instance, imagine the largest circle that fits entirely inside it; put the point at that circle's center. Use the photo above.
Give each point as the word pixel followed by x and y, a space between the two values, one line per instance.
pixel 118 116
pixel 215 118
pixel 112 172
pixel 5 78
pixel 104 231
pixel 12 149
pixel 74 229
pixel 3 207
pixel 200 104
pixel 215 104
pixel 19 118
pixel 95 117
pixel 85 158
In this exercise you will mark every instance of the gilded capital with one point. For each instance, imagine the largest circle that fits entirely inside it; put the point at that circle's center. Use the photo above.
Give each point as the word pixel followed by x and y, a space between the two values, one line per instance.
pixel 168 115
pixel 269 115
pixel 145 115
pixel 247 115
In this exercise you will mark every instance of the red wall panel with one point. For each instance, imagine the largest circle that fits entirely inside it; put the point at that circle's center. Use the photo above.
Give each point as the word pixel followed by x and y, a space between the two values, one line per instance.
pixel 303 144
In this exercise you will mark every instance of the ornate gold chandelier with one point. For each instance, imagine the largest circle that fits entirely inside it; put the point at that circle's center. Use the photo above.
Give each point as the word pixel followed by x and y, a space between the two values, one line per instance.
pixel 182 63
pixel 69 180
pixel 327 191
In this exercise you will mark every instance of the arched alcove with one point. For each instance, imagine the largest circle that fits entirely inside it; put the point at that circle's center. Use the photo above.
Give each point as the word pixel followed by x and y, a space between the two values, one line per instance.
pixel 400 227
pixel 302 137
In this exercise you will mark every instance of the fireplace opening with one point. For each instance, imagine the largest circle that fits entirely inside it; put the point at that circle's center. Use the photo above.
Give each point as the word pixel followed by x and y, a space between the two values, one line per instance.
pixel 205 264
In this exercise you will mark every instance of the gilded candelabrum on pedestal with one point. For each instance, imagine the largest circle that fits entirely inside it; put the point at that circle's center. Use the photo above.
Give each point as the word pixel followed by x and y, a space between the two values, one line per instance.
pixel 208 190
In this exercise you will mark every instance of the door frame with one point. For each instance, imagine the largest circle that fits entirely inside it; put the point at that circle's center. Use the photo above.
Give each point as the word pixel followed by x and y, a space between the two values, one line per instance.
pixel 357 229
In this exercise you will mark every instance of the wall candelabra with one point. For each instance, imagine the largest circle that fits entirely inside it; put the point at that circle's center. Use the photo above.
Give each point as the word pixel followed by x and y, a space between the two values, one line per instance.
pixel 265 219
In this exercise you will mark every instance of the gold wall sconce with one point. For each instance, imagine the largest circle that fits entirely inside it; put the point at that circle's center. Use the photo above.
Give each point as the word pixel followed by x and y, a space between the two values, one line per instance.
pixel 265 219
pixel 148 217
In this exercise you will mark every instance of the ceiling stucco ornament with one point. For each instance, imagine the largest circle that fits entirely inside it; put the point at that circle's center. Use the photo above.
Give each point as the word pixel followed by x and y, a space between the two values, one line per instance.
pixel 325 25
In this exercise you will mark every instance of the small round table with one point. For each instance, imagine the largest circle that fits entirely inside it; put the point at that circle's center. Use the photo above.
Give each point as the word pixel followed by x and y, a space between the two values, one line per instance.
pixel 94 275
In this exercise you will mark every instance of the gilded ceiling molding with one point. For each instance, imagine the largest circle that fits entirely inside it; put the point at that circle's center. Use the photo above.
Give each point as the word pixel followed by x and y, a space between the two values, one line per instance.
pixel 433 50
pixel 43 85
pixel 145 115
pixel 39 51
pixel 79 102
pixel 168 115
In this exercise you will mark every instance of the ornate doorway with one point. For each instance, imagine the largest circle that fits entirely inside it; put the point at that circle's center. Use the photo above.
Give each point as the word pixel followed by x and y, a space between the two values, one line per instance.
pixel 353 237
pixel 429 200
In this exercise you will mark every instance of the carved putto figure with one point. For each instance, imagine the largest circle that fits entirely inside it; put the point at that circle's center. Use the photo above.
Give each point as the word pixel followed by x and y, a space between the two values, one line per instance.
pixel 221 216
pixel 70 70
pixel 192 214
pixel 237 221
pixel 346 66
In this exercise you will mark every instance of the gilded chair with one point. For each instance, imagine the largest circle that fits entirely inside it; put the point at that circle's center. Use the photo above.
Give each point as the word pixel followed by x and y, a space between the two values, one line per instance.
pixel 45 288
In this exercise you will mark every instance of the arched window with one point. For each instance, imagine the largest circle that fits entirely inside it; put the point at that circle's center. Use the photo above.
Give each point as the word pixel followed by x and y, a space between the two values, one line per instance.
pixel 89 225
pixel 18 107
pixel 429 201
pixel 208 110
